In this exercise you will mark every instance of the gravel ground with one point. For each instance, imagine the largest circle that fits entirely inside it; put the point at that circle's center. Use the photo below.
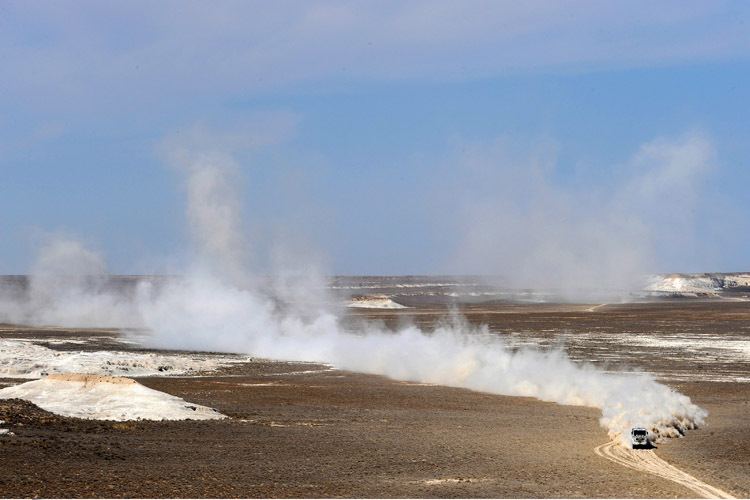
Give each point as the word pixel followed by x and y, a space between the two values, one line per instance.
pixel 302 430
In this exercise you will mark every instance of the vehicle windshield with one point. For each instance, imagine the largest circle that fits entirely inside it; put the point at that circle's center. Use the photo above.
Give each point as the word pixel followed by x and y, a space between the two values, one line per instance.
pixel 639 432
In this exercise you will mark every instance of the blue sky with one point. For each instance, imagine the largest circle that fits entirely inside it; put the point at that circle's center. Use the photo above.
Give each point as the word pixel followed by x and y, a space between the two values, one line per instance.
pixel 391 137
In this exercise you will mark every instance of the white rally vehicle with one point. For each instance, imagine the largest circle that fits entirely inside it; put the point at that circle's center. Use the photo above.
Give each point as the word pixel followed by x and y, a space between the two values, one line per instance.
pixel 639 438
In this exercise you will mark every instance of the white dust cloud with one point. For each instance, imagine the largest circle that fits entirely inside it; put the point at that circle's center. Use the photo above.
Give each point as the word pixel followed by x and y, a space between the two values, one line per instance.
pixel 218 306
pixel 205 312
pixel 213 208
pixel 454 354
pixel 68 287
pixel 516 220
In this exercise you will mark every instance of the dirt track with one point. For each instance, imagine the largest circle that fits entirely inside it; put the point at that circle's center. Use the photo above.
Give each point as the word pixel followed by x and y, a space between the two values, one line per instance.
pixel 648 461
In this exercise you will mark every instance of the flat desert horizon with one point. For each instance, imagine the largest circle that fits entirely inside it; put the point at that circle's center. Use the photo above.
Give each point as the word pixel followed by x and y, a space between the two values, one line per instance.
pixel 307 429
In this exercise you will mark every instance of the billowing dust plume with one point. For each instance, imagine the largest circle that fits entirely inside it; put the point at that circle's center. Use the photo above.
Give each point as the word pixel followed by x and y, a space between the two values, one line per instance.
pixel 217 305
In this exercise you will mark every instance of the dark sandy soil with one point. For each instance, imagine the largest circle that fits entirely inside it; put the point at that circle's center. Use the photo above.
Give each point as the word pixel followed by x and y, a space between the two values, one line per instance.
pixel 329 433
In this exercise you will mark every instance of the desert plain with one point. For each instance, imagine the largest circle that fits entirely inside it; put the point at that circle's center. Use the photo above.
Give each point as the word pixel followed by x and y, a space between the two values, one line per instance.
pixel 311 430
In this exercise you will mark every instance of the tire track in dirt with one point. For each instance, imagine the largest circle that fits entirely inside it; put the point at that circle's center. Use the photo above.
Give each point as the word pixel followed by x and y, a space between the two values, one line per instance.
pixel 594 308
pixel 648 461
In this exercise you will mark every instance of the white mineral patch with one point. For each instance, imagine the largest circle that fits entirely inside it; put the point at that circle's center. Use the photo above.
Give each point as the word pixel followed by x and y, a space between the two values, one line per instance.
pixel 730 349
pixel 28 360
pixel 375 303
pixel 684 285
pixel 737 280
pixel 375 286
pixel 106 398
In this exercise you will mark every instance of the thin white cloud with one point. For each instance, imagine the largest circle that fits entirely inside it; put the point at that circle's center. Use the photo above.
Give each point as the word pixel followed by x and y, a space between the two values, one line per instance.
pixel 120 53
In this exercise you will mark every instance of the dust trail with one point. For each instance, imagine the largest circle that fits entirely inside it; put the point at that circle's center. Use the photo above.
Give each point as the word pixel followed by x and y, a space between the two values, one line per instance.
pixel 648 461
pixel 219 304
pixel 203 314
